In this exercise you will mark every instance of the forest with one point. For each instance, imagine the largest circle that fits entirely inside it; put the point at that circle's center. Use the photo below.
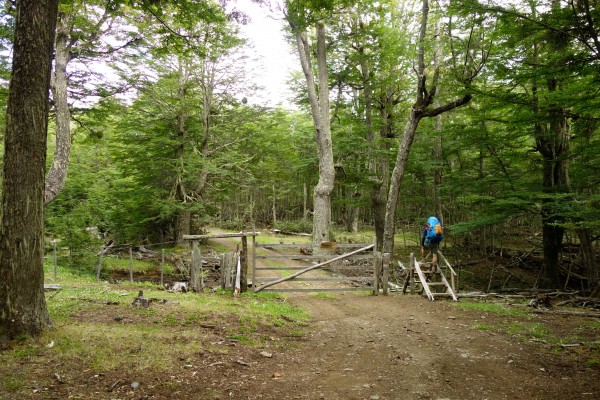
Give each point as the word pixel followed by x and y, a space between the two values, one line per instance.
pixel 483 113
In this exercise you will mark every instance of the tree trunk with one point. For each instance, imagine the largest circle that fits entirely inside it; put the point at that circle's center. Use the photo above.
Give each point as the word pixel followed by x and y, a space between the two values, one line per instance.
pixel 396 180
pixel 552 142
pixel 319 104
pixel 274 208
pixel 181 195
pixel 57 176
pixel 588 257
pixel 22 301
pixel 184 218
pixel 419 110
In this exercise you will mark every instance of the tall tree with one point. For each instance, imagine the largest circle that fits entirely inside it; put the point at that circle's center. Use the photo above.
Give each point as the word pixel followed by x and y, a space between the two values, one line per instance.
pixel 421 109
pixel 22 302
pixel 79 27
pixel 299 18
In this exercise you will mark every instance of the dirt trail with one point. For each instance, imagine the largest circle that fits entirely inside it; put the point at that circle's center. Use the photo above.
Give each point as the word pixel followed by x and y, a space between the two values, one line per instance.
pixel 406 347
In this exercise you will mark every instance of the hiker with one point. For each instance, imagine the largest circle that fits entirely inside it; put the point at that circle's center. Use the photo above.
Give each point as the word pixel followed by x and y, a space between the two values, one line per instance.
pixel 431 237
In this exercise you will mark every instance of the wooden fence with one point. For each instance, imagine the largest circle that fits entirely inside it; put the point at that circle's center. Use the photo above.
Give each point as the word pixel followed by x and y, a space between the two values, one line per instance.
pixel 345 267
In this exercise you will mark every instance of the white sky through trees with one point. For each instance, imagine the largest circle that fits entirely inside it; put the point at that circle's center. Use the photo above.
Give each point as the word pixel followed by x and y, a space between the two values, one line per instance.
pixel 273 59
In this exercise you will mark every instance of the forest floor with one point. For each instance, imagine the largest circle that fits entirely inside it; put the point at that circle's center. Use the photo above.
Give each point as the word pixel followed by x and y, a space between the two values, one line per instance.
pixel 358 346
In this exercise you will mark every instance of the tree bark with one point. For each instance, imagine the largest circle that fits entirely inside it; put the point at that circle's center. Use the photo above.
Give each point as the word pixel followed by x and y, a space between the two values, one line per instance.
pixel 22 302
pixel 396 179
pixel 183 215
pixel 57 175
pixel 552 142
pixel 588 257
pixel 319 104
pixel 419 110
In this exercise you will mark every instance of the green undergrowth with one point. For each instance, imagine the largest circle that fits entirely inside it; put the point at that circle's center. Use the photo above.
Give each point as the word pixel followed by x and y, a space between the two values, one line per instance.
pixel 96 324
pixel 518 322
pixel 495 308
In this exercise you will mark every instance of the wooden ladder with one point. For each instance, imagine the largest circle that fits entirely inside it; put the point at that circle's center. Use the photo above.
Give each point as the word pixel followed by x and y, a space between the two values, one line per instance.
pixel 432 281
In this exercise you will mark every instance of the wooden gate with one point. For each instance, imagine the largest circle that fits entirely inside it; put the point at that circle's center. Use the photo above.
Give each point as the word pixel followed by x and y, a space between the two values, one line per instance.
pixel 316 268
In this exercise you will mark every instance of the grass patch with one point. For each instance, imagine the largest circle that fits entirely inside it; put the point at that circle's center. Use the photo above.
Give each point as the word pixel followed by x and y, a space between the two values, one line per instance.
pixel 484 327
pixel 97 329
pixel 534 330
pixel 495 308
pixel 592 362
pixel 328 296
pixel 13 382
pixel 594 325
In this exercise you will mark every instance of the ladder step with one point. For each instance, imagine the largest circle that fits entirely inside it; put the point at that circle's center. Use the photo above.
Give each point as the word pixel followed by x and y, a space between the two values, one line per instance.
pixel 436 284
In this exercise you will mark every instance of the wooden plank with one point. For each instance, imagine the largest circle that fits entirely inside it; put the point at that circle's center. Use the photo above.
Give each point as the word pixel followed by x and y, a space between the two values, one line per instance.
pixel 332 268
pixel 349 289
pixel 309 245
pixel 448 288
pixel 313 267
pixel 317 279
pixel 313 257
pixel 423 281
pixel 220 236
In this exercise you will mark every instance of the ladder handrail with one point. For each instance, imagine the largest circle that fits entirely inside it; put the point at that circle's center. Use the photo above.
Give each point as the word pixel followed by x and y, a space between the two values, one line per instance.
pixel 447 263
pixel 423 281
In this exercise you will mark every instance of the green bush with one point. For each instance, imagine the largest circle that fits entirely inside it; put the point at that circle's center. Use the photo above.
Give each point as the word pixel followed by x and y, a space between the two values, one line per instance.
pixel 298 226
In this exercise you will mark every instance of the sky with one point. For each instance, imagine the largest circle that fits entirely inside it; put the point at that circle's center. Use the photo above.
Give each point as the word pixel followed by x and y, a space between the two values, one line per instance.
pixel 277 59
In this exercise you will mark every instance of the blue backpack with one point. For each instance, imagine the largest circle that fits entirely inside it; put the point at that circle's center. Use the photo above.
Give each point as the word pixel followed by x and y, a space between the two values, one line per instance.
pixel 435 233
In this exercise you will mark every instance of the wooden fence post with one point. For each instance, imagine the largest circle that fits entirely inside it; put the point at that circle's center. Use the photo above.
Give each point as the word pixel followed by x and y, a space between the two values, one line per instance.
pixel 386 272
pixel 162 267
pixel 130 265
pixel 376 267
pixel 222 269
pixel 244 265
pixel 411 271
pixel 253 260
pixel 194 268
pixel 99 265
pixel 54 258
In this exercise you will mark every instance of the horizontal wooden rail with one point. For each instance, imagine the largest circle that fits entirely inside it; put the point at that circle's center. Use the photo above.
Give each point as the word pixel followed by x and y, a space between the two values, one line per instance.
pixel 313 257
pixel 346 289
pixel 343 267
pixel 266 285
pixel 318 278
pixel 220 235
pixel 307 245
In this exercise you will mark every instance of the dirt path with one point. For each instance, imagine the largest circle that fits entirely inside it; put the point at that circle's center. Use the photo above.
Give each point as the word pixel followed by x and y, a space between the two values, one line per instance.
pixel 406 347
